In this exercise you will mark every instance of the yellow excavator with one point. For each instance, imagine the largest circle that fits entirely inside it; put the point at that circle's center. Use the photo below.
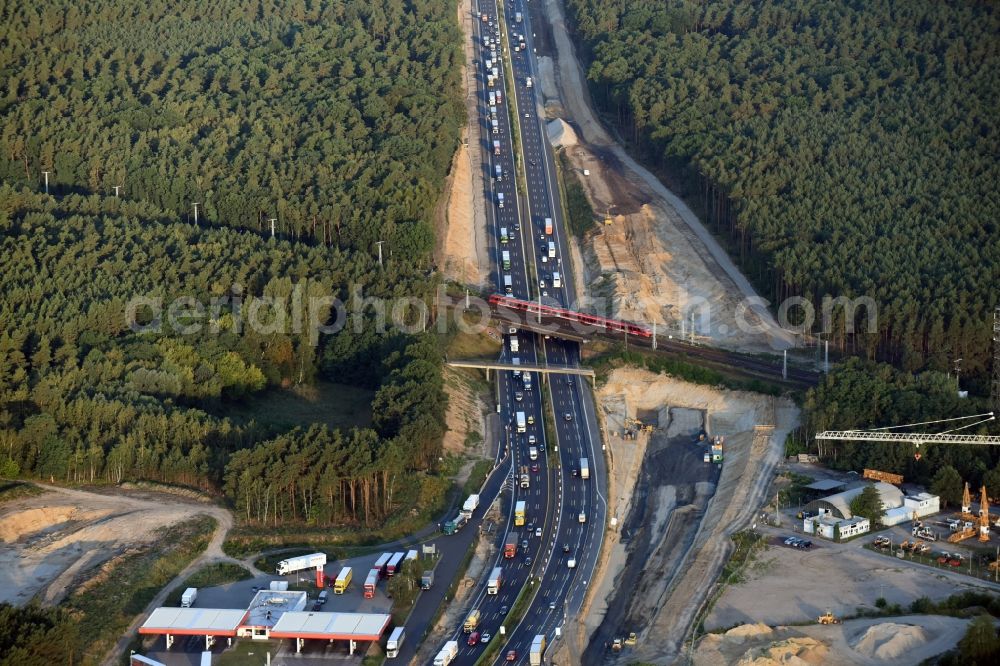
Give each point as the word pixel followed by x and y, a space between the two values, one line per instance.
pixel 828 618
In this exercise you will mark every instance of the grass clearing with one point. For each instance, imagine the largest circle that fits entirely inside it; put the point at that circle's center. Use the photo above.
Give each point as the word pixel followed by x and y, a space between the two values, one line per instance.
pixel 13 490
pixel 479 472
pixel 104 605
pixel 282 409
pixel 220 573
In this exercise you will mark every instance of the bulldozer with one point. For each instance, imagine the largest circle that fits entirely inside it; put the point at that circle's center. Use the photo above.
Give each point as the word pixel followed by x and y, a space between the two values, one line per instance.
pixel 828 618
pixel 619 642
pixel 631 640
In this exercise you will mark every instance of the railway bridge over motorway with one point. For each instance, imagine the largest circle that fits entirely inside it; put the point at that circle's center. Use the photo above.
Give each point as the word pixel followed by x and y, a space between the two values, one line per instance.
pixel 531 367
pixel 581 328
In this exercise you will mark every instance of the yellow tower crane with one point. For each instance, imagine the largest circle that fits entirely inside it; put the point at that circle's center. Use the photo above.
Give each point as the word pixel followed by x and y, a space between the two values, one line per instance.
pixel 984 516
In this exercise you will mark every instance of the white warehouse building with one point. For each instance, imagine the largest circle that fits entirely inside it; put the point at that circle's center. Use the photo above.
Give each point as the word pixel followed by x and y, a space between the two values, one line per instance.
pixel 834 512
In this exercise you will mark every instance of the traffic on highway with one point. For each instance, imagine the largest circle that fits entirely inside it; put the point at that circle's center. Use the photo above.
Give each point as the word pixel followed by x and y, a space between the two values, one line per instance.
pixel 556 514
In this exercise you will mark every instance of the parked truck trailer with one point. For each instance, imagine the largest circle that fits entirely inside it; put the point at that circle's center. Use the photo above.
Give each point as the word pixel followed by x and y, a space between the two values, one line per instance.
pixel 394 643
pixel 343 580
pixel 300 563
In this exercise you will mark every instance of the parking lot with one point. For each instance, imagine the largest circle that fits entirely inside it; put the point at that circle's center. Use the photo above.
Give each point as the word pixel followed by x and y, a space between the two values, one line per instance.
pixel 187 649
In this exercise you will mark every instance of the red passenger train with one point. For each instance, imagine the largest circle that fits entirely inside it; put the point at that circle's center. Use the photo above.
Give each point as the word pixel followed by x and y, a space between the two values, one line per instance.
pixel 614 325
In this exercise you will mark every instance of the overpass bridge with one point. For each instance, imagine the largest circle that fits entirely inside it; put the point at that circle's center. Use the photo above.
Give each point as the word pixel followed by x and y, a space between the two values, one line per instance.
pixel 525 367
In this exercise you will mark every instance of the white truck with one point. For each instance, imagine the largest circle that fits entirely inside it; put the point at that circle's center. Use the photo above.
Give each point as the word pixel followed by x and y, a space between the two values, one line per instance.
pixel 556 280
pixel 470 505
pixel 552 250
pixel 447 654
pixel 537 650
pixel 293 564
pixel 584 468
pixel 517 17
pixel 495 581
pixel 508 285
pixel 187 599
pixel 521 427
pixel 515 344
pixel 395 642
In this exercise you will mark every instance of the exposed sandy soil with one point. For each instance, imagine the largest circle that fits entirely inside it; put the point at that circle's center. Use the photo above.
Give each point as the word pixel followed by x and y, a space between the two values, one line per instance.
pixel 782 586
pixel 873 641
pixel 463 250
pixel 50 540
pixel 655 262
pixel 686 530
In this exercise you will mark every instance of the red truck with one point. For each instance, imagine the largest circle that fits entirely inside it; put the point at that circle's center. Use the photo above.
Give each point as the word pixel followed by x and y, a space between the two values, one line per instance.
pixel 510 547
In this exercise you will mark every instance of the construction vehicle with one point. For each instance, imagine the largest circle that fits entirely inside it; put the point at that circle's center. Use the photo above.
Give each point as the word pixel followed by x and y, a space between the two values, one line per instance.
pixel 616 644
pixel 828 618
pixel 966 513
pixel 631 640
pixel 963 534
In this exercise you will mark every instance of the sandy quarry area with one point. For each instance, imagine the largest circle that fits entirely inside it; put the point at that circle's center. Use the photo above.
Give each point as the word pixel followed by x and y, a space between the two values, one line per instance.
pixel 897 641
pixel 673 555
pixel 784 586
pixel 463 248
pixel 655 262
pixel 48 541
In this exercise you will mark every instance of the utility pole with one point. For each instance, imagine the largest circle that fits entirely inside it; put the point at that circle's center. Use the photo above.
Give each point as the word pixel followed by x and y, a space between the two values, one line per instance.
pixel 379 244
pixel 116 188
pixel 826 357
pixel 272 220
pixel 958 370
pixel 692 326
pixel 46 174
pixel 784 364
pixel 196 215
pixel 654 334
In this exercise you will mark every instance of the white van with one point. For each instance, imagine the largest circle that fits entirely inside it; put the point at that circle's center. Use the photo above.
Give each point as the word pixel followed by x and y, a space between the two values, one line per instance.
pixel 556 281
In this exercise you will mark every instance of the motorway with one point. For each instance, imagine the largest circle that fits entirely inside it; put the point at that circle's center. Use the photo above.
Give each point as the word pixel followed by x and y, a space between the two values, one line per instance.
pixel 566 514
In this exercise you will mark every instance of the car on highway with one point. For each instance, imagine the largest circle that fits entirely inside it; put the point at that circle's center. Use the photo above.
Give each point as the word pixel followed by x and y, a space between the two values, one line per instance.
pixel 504 609
pixel 524 544
pixel 541 284
pixel 552 605
pixel 569 381
pixel 567 416
pixel 565 547
pixel 518 396
pixel 538 531
pixel 485 638
pixel 511 655
pixel 531 439
pixel 582 517
pixel 474 638
pixel 545 258
pixel 534 468
pixel 527 115
pixel 527 561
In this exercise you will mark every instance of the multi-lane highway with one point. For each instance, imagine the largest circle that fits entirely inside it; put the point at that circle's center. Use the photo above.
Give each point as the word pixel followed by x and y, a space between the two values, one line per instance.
pixel 558 546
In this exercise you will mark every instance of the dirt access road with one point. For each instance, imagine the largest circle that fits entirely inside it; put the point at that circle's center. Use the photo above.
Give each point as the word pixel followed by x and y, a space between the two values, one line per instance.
pixel 656 262
pixel 49 541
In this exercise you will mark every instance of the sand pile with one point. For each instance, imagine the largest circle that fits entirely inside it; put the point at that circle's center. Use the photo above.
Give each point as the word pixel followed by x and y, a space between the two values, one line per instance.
pixel 791 652
pixel 19 524
pixel 889 640
pixel 749 631
pixel 560 133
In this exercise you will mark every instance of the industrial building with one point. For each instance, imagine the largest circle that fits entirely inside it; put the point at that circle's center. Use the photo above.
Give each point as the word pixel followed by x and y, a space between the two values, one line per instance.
pixel 271 614
pixel 827 515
